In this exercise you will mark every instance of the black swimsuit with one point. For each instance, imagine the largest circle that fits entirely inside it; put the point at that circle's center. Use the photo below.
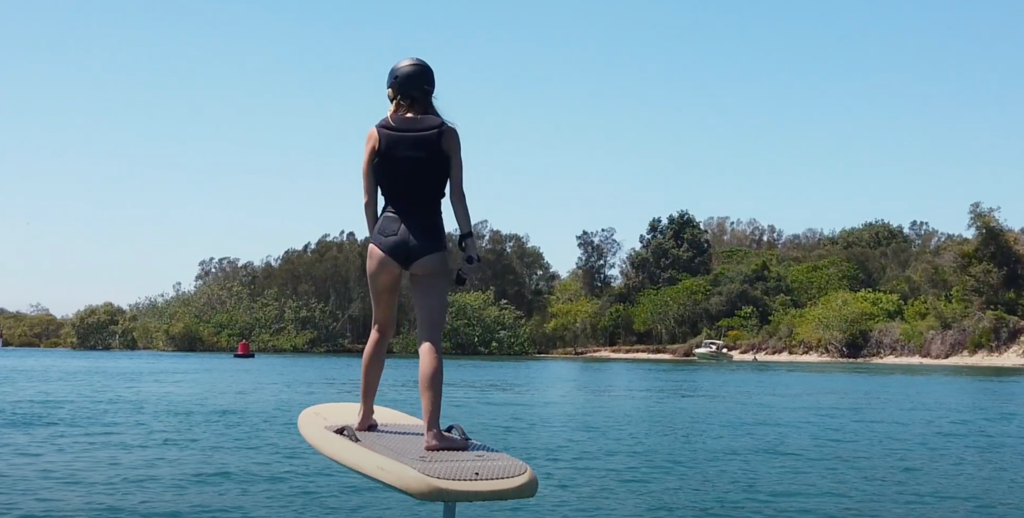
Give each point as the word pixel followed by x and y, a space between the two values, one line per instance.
pixel 411 168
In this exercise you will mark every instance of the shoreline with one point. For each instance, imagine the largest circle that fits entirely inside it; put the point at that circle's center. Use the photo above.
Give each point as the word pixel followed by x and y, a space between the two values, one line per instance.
pixel 1013 357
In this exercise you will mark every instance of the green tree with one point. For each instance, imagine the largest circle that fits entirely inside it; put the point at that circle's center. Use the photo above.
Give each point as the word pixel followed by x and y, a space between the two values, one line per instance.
pixel 874 288
pixel 673 314
pixel 596 263
pixel 101 326
pixel 573 317
pixel 670 250
pixel 35 328
pixel 480 324
pixel 992 267
pixel 840 323
pixel 812 281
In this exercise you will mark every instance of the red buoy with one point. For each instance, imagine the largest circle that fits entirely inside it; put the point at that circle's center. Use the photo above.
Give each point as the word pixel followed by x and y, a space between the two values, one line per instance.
pixel 243 350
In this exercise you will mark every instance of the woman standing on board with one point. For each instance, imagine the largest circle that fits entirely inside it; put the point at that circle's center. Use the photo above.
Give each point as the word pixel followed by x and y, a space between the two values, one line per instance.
pixel 411 155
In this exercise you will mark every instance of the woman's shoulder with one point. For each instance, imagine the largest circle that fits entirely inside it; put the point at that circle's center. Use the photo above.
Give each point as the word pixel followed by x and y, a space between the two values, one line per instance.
pixel 450 139
pixel 449 131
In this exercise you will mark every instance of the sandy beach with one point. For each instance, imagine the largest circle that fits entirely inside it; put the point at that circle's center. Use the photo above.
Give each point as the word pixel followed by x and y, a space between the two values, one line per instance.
pixel 1014 357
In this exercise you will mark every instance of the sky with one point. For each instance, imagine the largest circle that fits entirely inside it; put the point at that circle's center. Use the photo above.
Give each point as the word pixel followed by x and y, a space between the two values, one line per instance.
pixel 138 138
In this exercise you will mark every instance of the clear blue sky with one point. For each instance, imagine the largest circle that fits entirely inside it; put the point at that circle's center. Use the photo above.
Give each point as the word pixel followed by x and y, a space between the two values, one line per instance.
pixel 137 138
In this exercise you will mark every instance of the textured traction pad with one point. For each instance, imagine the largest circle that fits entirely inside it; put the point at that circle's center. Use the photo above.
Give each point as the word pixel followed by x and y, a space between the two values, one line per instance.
pixel 404 443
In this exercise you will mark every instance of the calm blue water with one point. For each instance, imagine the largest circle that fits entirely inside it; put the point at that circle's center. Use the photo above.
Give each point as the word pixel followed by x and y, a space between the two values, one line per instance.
pixel 118 434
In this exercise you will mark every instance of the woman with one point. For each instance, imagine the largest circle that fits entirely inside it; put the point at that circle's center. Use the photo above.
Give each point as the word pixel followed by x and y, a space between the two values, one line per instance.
pixel 410 155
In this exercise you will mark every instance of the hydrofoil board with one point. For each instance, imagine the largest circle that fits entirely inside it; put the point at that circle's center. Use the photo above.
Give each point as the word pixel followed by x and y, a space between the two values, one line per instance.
pixel 393 454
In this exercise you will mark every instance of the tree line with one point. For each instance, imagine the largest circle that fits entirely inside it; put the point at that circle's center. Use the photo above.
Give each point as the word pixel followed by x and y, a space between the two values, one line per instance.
pixel 874 289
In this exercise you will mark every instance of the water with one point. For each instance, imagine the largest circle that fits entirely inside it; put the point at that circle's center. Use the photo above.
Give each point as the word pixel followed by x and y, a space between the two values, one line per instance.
pixel 145 434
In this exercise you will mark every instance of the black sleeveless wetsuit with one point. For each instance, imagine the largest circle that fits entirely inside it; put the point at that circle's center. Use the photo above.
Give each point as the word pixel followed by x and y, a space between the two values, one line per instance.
pixel 411 169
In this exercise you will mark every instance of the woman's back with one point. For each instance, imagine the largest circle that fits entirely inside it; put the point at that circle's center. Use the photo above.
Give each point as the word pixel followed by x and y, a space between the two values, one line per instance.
pixel 411 166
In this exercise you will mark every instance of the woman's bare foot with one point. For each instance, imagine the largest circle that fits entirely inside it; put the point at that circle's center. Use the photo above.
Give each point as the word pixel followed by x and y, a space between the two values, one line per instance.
pixel 366 423
pixel 436 440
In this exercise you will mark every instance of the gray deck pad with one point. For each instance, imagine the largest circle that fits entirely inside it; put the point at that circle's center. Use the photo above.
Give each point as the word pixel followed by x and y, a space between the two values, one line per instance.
pixel 404 443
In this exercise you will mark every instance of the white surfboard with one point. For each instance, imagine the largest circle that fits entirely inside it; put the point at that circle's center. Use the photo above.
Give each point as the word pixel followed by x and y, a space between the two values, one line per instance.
pixel 393 454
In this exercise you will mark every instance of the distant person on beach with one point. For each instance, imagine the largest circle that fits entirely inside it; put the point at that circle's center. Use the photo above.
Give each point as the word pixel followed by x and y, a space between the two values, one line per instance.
pixel 411 155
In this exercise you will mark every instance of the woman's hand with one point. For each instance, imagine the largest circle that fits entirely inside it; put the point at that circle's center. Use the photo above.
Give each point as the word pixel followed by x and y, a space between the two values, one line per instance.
pixel 470 257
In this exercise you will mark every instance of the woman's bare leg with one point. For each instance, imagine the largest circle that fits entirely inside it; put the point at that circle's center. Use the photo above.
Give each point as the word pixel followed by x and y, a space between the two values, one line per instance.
pixel 385 278
pixel 429 279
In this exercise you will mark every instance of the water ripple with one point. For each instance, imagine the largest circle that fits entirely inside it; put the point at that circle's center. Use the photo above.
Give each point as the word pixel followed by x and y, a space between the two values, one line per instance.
pixel 113 434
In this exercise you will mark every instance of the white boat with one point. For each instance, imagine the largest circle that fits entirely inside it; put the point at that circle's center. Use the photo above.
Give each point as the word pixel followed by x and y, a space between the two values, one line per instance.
pixel 712 350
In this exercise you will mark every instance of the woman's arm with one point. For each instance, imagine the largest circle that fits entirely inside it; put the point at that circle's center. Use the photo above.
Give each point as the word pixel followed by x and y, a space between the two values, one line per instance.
pixel 369 182
pixel 453 146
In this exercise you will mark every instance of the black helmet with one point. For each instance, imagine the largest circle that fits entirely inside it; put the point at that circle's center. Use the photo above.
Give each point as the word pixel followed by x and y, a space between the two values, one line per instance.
pixel 411 77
